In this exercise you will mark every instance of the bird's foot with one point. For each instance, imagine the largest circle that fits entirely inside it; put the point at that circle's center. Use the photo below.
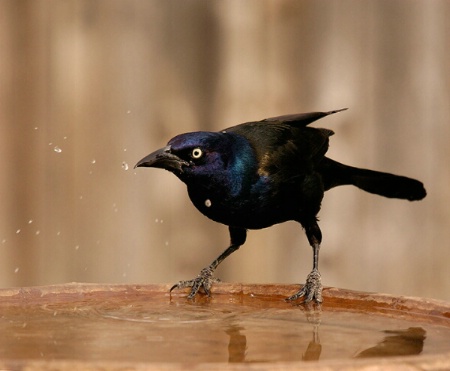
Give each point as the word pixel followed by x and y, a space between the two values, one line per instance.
pixel 204 280
pixel 311 290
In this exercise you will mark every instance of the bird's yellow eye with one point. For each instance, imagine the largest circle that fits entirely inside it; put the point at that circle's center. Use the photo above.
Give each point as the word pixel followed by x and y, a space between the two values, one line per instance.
pixel 197 153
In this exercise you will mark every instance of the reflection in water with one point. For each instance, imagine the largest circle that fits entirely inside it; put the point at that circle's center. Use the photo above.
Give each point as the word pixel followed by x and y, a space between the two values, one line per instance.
pixel 313 314
pixel 314 349
pixel 237 345
pixel 265 336
pixel 401 343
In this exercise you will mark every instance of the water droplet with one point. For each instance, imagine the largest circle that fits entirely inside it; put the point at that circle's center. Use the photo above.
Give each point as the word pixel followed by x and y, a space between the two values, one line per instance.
pixel 30 221
pixel 93 161
pixel 156 220
pixel 64 138
pixel 124 166
pixel 4 240
pixel 128 111
pixel 161 221
pixel 57 149
pixel 81 197
pixel 38 232
pixel 35 128
pixel 124 149
pixel 58 233
pixel 208 203
pixel 77 247
pixel 18 231
pixel 16 270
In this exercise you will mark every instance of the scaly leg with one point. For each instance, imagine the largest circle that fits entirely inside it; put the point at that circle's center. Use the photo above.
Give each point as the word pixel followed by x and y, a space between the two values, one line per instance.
pixel 205 279
pixel 313 285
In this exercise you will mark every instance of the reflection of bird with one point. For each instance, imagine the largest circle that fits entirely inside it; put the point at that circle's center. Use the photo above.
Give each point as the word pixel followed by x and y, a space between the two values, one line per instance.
pixel 314 349
pixel 401 343
pixel 237 346
pixel 257 174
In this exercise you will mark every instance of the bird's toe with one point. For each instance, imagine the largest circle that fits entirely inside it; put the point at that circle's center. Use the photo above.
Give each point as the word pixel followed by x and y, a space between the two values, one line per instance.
pixel 312 290
pixel 203 281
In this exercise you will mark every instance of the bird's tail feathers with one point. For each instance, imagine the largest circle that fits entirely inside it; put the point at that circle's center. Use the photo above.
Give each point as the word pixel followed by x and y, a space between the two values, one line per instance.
pixel 377 182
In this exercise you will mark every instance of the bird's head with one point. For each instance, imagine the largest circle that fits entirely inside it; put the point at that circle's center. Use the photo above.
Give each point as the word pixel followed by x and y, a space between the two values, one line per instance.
pixel 191 154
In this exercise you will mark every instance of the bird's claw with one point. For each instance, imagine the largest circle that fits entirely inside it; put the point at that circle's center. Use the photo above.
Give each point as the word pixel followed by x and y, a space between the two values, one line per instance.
pixel 204 280
pixel 311 290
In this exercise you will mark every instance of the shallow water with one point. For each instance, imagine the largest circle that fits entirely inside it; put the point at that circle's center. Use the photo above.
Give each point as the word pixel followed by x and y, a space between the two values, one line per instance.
pixel 240 329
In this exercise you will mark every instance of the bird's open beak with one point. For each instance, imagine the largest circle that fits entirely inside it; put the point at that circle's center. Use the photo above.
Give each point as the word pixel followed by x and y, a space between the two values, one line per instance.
pixel 163 158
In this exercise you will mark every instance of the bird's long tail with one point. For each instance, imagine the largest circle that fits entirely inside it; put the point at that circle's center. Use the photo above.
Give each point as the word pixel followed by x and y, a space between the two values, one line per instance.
pixel 384 184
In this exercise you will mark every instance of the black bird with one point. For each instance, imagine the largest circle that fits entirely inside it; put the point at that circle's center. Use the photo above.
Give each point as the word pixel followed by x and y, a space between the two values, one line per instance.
pixel 261 173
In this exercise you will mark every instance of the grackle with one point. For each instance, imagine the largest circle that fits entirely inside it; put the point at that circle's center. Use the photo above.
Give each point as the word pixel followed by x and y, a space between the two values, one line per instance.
pixel 261 173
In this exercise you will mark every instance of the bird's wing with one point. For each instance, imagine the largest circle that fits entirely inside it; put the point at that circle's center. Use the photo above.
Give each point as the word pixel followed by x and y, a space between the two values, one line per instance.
pixel 301 119
pixel 318 141
pixel 281 142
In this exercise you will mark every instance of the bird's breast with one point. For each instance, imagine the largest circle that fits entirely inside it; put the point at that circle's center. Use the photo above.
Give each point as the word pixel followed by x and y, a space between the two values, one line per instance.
pixel 254 207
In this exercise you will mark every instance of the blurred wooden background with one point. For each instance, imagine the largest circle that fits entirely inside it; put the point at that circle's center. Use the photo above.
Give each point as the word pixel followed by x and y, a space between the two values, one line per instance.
pixel 88 87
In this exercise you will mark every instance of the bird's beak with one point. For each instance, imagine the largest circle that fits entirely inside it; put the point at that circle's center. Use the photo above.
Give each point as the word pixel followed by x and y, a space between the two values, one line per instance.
pixel 164 159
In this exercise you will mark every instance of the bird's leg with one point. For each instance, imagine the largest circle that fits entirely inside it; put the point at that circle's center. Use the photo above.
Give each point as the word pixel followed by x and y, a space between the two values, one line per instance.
pixel 312 290
pixel 205 278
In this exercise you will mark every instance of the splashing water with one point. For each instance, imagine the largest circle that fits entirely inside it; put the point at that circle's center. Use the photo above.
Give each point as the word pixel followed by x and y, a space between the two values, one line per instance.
pixel 124 166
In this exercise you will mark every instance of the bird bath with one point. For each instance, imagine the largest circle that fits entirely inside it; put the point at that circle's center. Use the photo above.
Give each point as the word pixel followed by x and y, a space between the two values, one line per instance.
pixel 93 326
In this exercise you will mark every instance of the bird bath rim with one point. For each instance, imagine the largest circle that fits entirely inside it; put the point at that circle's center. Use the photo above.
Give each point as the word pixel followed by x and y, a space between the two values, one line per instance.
pixel 412 308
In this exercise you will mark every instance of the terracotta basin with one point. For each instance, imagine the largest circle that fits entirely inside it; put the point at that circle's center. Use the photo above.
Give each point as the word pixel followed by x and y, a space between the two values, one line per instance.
pixel 125 327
